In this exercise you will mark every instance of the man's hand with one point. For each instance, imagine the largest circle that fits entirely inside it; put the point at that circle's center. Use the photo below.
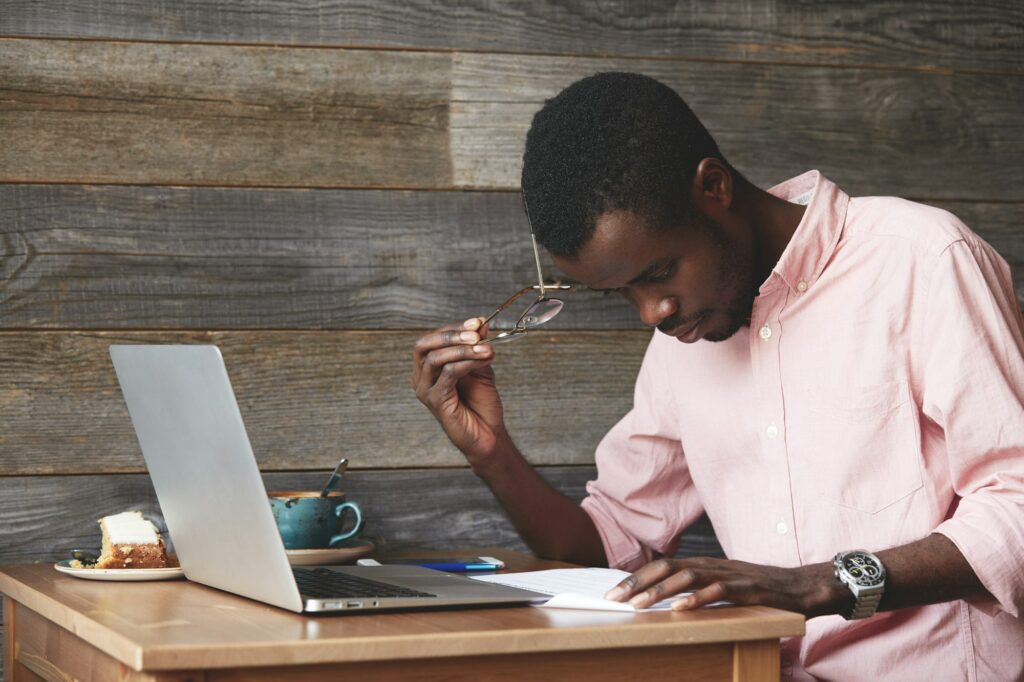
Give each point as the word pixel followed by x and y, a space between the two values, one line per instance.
pixel 453 377
pixel 811 590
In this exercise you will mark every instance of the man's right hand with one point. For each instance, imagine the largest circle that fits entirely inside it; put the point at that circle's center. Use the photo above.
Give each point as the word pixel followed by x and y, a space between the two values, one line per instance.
pixel 453 377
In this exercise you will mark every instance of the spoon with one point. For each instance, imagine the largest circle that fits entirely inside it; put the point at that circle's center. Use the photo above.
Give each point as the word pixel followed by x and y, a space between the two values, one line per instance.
pixel 86 556
pixel 335 477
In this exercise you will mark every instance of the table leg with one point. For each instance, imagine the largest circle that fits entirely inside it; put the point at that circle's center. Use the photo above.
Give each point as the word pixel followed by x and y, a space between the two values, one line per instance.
pixel 756 661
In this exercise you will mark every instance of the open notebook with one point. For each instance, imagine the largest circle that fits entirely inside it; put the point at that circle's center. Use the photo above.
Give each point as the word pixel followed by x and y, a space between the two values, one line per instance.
pixel 575 588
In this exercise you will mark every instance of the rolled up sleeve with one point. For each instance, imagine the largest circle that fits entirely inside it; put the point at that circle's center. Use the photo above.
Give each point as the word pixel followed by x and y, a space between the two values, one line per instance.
pixel 643 496
pixel 974 389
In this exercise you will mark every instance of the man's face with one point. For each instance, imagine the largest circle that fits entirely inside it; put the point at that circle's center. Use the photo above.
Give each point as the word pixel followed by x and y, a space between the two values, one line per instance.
pixel 692 282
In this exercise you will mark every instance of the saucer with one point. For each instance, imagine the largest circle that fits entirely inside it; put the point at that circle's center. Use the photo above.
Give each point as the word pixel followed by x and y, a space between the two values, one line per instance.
pixel 120 574
pixel 346 552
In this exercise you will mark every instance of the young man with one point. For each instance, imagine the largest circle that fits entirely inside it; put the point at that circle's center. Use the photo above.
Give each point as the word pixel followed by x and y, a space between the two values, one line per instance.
pixel 828 376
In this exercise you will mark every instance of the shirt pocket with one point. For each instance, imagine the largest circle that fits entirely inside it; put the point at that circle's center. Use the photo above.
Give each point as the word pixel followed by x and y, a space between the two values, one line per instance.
pixel 861 445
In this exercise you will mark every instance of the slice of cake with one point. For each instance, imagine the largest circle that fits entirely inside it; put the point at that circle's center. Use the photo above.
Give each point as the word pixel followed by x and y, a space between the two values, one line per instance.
pixel 130 541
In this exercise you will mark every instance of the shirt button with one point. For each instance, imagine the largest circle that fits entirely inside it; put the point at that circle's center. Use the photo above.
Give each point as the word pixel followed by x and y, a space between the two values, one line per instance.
pixel 766 332
pixel 772 431
pixel 801 286
pixel 781 527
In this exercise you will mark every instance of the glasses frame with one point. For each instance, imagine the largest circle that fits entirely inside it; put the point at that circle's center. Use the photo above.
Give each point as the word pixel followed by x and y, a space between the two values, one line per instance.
pixel 520 327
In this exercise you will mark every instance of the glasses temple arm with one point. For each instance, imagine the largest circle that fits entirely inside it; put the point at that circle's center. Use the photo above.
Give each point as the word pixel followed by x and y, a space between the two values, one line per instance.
pixel 536 258
pixel 507 303
pixel 533 240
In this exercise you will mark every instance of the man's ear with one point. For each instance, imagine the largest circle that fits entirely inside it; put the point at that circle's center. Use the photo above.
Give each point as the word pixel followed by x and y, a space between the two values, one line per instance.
pixel 712 189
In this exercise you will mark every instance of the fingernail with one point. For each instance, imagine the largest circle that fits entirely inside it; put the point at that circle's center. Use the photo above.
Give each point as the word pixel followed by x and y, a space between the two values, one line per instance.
pixel 472 324
pixel 613 593
pixel 469 337
pixel 636 601
pixel 681 604
pixel 481 349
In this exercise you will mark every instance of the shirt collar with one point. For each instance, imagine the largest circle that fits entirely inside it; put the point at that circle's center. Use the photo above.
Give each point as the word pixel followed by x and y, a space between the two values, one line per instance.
pixel 816 236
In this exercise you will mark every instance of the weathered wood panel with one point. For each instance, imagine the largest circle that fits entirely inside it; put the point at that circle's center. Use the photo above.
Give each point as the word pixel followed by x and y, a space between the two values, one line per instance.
pixel 103 257
pixel 308 398
pixel 411 508
pixel 977 34
pixel 204 114
pixel 937 135
pixel 198 258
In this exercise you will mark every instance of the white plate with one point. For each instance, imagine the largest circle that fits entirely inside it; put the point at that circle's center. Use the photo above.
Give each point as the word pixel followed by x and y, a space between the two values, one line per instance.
pixel 347 552
pixel 120 574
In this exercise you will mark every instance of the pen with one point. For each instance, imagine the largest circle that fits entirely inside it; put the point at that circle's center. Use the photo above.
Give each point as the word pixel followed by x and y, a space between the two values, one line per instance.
pixel 461 567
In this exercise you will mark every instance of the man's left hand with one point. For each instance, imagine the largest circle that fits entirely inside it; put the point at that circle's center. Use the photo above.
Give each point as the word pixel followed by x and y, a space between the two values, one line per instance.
pixel 811 590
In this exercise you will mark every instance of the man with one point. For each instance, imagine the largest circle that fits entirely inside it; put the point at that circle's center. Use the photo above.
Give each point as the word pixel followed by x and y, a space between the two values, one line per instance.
pixel 850 377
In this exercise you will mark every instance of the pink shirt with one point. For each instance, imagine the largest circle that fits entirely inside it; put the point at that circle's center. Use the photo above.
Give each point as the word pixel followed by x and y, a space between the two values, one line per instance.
pixel 877 397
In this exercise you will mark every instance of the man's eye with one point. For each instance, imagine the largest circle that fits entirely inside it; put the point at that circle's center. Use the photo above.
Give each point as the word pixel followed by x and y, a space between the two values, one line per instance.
pixel 663 274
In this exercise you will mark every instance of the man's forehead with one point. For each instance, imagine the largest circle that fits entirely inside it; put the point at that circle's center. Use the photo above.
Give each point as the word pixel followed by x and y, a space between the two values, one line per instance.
pixel 619 250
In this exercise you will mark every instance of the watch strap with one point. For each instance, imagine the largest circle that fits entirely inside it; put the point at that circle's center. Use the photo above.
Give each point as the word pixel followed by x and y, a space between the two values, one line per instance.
pixel 866 604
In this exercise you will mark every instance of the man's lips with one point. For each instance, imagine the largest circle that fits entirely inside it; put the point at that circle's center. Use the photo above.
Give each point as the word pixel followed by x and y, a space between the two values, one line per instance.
pixel 684 332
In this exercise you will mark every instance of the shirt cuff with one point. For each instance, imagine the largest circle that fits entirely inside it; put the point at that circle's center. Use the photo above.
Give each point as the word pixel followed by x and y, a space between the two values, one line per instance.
pixel 991 557
pixel 621 550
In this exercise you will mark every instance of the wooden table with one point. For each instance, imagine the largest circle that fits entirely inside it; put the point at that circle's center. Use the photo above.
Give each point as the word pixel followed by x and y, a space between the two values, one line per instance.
pixel 63 628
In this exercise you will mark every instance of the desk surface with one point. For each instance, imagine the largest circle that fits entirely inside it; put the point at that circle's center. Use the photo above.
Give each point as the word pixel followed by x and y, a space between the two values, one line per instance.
pixel 179 624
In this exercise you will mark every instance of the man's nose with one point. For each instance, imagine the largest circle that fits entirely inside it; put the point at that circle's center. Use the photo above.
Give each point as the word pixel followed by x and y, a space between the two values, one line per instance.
pixel 654 309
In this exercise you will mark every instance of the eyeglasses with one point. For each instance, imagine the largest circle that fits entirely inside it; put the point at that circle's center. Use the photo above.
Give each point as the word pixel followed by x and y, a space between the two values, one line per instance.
pixel 540 311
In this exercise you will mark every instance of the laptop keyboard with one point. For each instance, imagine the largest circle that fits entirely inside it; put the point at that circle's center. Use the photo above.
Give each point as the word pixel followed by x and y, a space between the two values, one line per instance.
pixel 323 583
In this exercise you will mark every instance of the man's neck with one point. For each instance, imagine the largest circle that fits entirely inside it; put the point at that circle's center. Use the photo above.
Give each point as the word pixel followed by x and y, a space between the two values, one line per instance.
pixel 773 222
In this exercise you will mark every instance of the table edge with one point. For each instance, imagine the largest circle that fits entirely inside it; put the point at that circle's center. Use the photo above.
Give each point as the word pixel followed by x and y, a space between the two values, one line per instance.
pixel 773 624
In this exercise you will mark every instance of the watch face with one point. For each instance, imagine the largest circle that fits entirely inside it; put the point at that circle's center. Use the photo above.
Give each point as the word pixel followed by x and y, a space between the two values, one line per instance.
pixel 863 569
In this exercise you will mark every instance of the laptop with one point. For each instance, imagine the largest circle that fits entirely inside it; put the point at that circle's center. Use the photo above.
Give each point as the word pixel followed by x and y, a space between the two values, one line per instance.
pixel 215 505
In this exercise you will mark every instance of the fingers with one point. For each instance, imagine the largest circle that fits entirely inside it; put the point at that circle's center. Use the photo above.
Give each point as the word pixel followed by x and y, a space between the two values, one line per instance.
pixel 679 581
pixel 457 335
pixel 649 575
pixel 452 372
pixel 702 597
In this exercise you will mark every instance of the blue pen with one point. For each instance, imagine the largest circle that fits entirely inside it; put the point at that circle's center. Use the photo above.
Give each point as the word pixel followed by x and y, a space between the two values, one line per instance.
pixel 461 567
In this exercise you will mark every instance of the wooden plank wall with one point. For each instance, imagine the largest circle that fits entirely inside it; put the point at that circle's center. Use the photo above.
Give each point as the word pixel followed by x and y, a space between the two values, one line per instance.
pixel 311 185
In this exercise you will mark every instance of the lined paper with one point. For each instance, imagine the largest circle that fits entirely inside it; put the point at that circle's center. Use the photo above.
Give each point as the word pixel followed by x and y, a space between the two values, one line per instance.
pixel 575 588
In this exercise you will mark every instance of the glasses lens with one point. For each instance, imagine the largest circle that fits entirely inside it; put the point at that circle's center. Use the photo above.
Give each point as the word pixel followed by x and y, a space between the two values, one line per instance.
pixel 541 312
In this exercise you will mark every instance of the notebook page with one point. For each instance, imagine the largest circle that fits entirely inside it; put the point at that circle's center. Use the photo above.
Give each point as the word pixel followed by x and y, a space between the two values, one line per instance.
pixel 574 588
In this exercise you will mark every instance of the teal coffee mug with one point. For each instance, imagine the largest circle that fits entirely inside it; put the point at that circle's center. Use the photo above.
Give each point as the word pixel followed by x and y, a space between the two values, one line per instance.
pixel 308 521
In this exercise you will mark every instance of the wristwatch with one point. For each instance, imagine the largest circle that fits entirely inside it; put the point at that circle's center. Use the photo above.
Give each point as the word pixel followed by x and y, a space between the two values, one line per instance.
pixel 864 574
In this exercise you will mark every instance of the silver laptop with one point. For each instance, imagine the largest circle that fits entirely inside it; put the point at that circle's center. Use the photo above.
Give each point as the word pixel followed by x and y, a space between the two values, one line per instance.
pixel 213 500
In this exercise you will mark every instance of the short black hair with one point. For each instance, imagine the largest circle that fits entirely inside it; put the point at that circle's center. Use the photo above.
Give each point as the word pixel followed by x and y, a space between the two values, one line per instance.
pixel 611 141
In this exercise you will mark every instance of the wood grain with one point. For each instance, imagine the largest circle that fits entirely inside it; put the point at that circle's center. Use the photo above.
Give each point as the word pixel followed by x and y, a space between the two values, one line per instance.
pixel 706 662
pixel 204 114
pixel 82 257
pixel 6 636
pixel 756 661
pixel 128 113
pixel 56 654
pixel 135 624
pixel 409 509
pixel 974 34
pixel 47 516
pixel 201 258
pixel 938 135
pixel 309 397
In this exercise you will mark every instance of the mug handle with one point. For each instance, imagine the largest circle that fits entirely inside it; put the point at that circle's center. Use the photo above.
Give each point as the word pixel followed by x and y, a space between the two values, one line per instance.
pixel 338 511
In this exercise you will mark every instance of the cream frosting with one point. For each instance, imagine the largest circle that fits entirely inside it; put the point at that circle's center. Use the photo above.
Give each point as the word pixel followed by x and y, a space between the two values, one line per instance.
pixel 129 528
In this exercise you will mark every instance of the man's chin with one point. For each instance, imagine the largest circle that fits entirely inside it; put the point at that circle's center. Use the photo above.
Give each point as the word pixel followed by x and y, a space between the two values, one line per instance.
pixel 725 332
